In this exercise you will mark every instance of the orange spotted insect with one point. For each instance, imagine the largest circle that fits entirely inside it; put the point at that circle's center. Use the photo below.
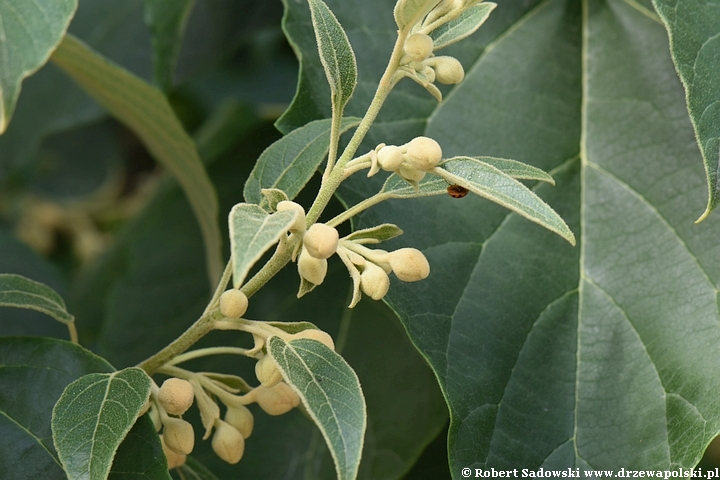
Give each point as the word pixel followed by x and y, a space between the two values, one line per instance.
pixel 456 191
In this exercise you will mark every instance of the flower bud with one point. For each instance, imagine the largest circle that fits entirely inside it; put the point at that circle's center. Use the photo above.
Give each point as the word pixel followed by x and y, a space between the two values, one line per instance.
pixel 233 303
pixel 315 334
pixel 267 372
pixel 227 442
pixel 418 47
pixel 240 417
pixel 390 158
pixel 310 268
pixel 409 264
pixel 321 241
pixel 374 281
pixel 179 435
pixel 410 173
pixel 299 225
pixel 174 459
pixel 423 153
pixel 448 70
pixel 176 396
pixel 276 400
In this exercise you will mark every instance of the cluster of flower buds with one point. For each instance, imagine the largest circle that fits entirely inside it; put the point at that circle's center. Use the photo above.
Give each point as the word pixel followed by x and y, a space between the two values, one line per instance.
pixel 174 397
pixel 411 161
pixel 419 63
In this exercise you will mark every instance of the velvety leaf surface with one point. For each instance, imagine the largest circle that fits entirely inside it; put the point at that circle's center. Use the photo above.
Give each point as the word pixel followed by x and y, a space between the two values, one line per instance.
pixel 147 112
pixel 599 356
pixel 167 20
pixel 33 374
pixel 331 393
pixel 92 417
pixel 693 29
pixel 29 32
pixel 21 292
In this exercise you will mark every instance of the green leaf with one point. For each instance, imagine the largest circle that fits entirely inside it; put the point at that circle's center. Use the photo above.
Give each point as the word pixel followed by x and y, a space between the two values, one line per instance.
pixel 29 32
pixel 515 169
pixel 489 182
pixel 290 163
pixel 463 26
pixel 33 374
pixel 408 12
pixel 93 416
pixel 20 292
pixel 693 28
pixel 147 112
pixel 167 20
pixel 330 391
pixel 380 233
pixel 252 232
pixel 336 54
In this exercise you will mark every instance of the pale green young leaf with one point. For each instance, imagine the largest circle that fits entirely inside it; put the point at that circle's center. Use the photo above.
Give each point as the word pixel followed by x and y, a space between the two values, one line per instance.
pixel 519 170
pixel 273 196
pixel 331 393
pixel 290 163
pixel 93 416
pixel 252 232
pixel 408 12
pixel 380 233
pixel 694 27
pixel 293 327
pixel 463 26
pixel 166 20
pixel 20 292
pixel 29 32
pixel 491 183
pixel 396 187
pixel 146 111
pixel 336 54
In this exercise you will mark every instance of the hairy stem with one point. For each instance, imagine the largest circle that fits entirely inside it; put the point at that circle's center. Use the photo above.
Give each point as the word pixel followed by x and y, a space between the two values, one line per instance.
pixel 204 352
pixel 357 208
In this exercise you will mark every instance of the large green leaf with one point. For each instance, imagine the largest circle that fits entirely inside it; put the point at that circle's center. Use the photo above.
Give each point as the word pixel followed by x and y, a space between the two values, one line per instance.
pixel 693 27
pixel 147 112
pixel 599 356
pixel 33 374
pixel 29 32
pixel 291 162
pixel 92 417
pixel 331 393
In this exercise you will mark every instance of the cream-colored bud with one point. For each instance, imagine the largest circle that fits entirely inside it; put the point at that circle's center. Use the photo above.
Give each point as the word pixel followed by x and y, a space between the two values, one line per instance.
pixel 227 443
pixel 418 47
pixel 448 70
pixel 277 400
pixel 233 303
pixel 267 372
pixel 286 205
pixel 374 281
pixel 429 74
pixel 315 334
pixel 240 417
pixel 176 396
pixel 423 153
pixel 179 435
pixel 174 459
pixel 409 264
pixel 390 158
pixel 321 241
pixel 310 268
pixel 411 173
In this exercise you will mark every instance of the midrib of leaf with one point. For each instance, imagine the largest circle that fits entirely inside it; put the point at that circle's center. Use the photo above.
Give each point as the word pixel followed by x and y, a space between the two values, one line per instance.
pixel 31 435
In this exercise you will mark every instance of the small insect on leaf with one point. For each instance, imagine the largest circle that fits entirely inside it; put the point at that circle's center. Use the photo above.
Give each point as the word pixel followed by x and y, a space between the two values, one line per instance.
pixel 456 191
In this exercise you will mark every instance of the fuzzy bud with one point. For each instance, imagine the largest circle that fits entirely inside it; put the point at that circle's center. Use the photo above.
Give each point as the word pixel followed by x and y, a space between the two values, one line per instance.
pixel 448 70
pixel 176 396
pixel 240 417
pixel 418 47
pixel 374 281
pixel 174 459
pixel 411 173
pixel 267 372
pixel 390 158
pixel 315 334
pixel 310 268
pixel 409 264
pixel 277 400
pixel 423 153
pixel 286 205
pixel 233 303
pixel 321 241
pixel 179 435
pixel 227 443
